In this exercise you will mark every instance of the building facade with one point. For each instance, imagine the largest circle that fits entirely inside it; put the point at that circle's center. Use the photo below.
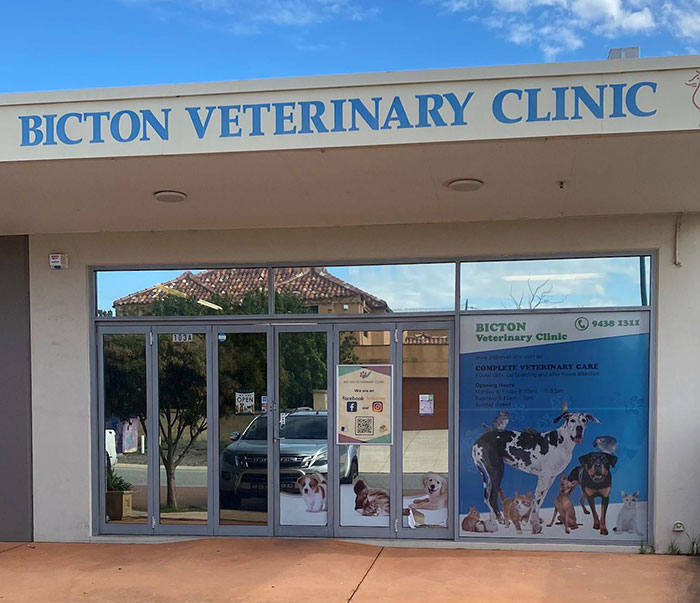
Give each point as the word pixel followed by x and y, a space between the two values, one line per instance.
pixel 415 305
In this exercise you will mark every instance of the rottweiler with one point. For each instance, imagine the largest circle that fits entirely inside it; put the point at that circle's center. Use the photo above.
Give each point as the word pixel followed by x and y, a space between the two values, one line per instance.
pixel 595 479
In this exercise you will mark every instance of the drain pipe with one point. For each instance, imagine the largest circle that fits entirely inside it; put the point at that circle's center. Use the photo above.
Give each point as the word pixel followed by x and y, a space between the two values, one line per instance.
pixel 677 251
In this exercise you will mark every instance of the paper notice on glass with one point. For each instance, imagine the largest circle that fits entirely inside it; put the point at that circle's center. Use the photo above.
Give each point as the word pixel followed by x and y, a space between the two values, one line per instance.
pixel 364 404
pixel 245 402
pixel 426 404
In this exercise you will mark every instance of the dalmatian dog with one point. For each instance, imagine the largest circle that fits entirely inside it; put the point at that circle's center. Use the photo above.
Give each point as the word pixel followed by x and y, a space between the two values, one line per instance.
pixel 545 455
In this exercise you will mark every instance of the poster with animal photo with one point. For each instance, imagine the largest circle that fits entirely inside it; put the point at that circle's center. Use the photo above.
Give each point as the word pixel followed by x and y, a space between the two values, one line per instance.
pixel 554 423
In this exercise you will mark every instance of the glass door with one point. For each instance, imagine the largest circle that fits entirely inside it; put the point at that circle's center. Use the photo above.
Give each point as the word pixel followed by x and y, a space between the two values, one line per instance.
pixel 425 418
pixel 243 432
pixel 181 422
pixel 363 485
pixel 123 472
pixel 301 452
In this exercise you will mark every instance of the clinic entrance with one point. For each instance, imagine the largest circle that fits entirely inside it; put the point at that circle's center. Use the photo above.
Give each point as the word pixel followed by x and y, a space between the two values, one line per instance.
pixel 233 429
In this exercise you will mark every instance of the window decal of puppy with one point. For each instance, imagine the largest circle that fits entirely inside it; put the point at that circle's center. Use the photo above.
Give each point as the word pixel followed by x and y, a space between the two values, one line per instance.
pixel 370 502
pixel 314 491
pixel 436 488
pixel 595 479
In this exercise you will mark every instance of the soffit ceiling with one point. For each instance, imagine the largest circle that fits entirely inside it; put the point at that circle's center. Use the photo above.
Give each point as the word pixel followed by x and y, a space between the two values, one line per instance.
pixel 605 175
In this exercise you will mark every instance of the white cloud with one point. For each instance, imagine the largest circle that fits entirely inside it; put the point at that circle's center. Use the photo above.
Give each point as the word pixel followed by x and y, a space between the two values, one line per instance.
pixel 250 16
pixel 558 26
pixel 683 18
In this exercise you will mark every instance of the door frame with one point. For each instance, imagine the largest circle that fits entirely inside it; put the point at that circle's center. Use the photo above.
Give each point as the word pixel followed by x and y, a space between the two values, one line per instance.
pixel 272 329
pixel 366 531
pixel 153 427
pixel 274 450
pixel 232 329
pixel 99 501
pixel 426 533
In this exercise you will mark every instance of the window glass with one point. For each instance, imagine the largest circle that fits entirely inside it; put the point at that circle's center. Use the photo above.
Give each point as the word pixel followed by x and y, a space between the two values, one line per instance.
pixel 220 291
pixel 365 289
pixel 243 491
pixel 364 468
pixel 425 396
pixel 126 421
pixel 558 283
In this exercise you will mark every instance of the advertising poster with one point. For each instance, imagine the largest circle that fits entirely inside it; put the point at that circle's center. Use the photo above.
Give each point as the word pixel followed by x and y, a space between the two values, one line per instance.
pixel 364 403
pixel 554 414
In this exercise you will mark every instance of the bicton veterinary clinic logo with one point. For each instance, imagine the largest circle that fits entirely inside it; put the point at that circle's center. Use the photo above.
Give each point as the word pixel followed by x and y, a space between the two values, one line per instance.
pixel 694 82
pixel 365 374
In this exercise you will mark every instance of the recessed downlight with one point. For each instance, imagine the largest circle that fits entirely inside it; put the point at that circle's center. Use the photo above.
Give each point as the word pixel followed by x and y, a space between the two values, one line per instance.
pixel 170 196
pixel 465 185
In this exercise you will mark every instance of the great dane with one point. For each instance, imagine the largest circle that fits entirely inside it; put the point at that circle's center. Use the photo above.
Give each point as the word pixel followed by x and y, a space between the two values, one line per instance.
pixel 545 455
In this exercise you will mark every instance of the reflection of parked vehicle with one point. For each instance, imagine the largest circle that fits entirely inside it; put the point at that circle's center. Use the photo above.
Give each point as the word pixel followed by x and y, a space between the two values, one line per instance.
pixel 110 448
pixel 303 449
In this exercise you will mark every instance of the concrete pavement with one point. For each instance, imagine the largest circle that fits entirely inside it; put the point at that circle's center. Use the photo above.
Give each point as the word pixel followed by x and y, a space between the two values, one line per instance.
pixel 280 570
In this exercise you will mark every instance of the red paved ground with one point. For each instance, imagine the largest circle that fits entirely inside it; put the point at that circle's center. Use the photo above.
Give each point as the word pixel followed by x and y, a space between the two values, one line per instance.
pixel 320 571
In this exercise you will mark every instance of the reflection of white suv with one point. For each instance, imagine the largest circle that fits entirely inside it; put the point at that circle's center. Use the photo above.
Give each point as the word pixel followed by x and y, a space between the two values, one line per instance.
pixel 110 448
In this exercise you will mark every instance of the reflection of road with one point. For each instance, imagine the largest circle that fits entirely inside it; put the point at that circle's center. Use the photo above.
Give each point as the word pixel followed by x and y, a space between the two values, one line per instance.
pixel 423 451
pixel 184 476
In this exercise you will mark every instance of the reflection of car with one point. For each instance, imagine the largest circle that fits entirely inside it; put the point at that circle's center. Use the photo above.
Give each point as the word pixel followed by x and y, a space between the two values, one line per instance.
pixel 303 449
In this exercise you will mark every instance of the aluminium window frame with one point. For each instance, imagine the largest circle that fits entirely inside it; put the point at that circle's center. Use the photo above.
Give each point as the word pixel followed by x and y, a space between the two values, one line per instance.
pixel 417 317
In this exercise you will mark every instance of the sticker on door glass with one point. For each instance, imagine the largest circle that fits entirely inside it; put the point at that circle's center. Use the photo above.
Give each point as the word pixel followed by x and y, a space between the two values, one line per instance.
pixel 245 402
pixel 364 404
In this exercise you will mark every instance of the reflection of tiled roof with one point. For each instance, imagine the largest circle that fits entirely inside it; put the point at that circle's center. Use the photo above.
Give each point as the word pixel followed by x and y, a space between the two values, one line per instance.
pixel 423 339
pixel 313 285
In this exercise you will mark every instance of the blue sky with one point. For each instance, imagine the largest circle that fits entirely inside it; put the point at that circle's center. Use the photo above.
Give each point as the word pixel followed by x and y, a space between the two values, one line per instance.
pixel 49 44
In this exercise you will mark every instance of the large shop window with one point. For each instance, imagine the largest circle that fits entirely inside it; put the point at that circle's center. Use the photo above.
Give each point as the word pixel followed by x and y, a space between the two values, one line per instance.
pixel 377 289
pixel 555 283
pixel 334 290
pixel 218 291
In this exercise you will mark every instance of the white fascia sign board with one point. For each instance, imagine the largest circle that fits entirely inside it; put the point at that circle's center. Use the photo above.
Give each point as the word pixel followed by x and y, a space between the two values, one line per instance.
pixel 399 112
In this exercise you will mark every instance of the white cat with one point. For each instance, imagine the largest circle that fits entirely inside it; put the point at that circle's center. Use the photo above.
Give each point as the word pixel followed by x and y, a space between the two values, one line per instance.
pixel 627 517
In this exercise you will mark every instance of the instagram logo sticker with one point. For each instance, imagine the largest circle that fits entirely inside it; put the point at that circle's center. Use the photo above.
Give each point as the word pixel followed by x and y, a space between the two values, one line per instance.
pixel 377 406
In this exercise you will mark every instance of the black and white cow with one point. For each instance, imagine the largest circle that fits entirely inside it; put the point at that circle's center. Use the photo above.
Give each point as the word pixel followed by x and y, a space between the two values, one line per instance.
pixel 545 455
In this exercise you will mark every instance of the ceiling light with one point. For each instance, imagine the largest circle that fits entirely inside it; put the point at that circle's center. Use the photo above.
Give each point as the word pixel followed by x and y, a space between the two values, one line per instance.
pixel 464 185
pixel 170 196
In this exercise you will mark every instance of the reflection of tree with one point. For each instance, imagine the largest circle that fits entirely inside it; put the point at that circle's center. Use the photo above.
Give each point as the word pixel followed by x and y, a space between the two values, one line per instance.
pixel 182 372
pixel 302 368
pixel 182 396
pixel 348 341
pixel 536 296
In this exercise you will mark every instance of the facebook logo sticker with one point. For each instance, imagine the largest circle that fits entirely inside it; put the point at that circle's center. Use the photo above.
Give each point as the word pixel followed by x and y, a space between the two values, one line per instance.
pixel 352 406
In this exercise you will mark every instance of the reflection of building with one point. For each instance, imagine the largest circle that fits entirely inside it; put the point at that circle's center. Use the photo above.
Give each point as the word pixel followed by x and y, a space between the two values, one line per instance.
pixel 319 290
pixel 425 366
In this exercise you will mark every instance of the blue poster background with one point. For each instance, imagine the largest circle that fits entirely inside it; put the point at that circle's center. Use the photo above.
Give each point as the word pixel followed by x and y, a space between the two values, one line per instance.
pixel 616 393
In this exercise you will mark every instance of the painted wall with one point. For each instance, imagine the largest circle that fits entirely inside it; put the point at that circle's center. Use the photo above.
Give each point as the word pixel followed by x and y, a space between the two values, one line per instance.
pixel 60 330
pixel 15 393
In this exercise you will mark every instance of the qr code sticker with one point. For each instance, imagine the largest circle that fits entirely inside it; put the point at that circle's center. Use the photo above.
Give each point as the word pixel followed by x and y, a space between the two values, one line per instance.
pixel 364 425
